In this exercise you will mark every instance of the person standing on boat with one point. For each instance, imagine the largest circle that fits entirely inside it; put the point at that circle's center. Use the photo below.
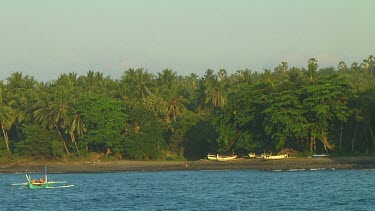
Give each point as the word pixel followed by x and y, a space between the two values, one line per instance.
pixel 41 180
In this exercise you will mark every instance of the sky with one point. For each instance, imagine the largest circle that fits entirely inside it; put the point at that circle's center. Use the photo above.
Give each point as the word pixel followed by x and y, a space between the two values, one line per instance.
pixel 45 38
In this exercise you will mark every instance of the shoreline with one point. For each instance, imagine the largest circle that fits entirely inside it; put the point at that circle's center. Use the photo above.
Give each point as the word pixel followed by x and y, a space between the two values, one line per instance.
pixel 362 162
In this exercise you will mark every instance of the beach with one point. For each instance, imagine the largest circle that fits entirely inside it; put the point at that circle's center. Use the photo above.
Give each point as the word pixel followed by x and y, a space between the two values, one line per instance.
pixel 362 162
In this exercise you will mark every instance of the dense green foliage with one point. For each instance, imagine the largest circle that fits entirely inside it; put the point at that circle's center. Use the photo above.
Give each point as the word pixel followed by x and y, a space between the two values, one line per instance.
pixel 104 120
pixel 167 116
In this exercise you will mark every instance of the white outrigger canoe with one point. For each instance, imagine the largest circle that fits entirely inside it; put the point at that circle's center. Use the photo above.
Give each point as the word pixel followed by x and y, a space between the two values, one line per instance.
pixel 218 157
pixel 212 157
pixel 226 157
pixel 275 157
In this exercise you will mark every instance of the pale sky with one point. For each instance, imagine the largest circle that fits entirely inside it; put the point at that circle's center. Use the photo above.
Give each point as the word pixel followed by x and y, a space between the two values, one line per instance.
pixel 45 38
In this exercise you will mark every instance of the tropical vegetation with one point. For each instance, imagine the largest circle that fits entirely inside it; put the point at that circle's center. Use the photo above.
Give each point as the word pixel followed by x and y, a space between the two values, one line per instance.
pixel 162 116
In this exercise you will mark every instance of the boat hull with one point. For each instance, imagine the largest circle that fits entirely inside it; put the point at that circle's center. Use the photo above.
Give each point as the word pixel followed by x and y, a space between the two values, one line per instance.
pixel 218 157
pixel 321 156
pixel 252 155
pixel 43 185
pixel 39 185
pixel 211 157
pixel 275 157
pixel 226 158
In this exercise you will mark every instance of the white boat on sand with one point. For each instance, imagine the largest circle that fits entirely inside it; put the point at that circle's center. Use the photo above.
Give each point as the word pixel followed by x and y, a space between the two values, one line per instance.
pixel 321 156
pixel 252 155
pixel 218 157
pixel 275 157
pixel 211 156
pixel 225 157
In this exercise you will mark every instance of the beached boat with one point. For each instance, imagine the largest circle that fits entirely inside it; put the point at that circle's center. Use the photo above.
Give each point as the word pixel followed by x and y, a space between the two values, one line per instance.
pixel 218 157
pixel 275 157
pixel 211 156
pixel 320 156
pixel 225 157
pixel 252 155
pixel 43 184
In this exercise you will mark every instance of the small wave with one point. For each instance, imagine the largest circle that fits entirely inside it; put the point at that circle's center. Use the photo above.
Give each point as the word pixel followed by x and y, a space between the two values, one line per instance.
pixel 367 169
pixel 213 170
pixel 317 169
pixel 296 169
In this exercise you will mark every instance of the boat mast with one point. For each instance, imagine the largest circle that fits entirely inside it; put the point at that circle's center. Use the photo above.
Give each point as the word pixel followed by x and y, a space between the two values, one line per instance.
pixel 45 174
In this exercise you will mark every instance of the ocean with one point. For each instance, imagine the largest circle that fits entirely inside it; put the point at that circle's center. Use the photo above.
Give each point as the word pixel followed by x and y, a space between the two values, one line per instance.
pixel 321 189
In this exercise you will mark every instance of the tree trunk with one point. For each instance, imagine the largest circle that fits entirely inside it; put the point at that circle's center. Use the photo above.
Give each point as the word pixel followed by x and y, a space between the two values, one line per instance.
pixel 108 152
pixel 75 143
pixel 312 144
pixel 372 134
pixel 326 143
pixel 366 139
pixel 62 139
pixel 341 136
pixel 6 138
pixel 355 133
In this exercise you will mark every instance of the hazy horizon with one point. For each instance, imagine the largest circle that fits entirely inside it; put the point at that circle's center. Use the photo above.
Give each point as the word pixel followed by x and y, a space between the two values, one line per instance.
pixel 47 38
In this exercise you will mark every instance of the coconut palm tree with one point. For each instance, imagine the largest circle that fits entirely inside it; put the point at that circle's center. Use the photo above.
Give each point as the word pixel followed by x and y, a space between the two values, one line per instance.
pixel 342 66
pixel 15 81
pixel 222 75
pixel 143 83
pixel 136 83
pixel 167 78
pixel 216 96
pixel 76 127
pixel 16 101
pixel 6 121
pixel 53 113
pixel 175 103
pixel 312 69
pixel 368 64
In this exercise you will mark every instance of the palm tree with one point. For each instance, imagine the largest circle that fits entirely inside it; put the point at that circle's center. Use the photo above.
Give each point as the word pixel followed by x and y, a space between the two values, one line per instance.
pixel 137 83
pixel 215 94
pixel 312 69
pixel 143 83
pixel 222 75
pixel 6 122
pixel 247 76
pixel 201 96
pixel 89 82
pixel 209 75
pixel 167 78
pixel 52 113
pixel 368 64
pixel 76 127
pixel 284 67
pixel 176 104
pixel 15 81
pixel 13 104
pixel 269 78
pixel 194 80
pixel 342 67
pixel 63 106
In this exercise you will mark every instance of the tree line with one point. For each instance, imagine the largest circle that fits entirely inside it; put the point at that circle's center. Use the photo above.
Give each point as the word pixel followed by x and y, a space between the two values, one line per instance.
pixel 148 116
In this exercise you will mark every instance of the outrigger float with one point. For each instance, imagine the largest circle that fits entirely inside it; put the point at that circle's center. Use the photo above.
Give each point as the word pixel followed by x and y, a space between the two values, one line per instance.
pixel 43 184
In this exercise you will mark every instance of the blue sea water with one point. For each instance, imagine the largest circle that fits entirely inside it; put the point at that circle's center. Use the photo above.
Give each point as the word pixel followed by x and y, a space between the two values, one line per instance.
pixel 197 190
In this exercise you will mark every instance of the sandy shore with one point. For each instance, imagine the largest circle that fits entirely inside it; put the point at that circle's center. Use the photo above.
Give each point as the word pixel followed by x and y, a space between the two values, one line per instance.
pixel 367 162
